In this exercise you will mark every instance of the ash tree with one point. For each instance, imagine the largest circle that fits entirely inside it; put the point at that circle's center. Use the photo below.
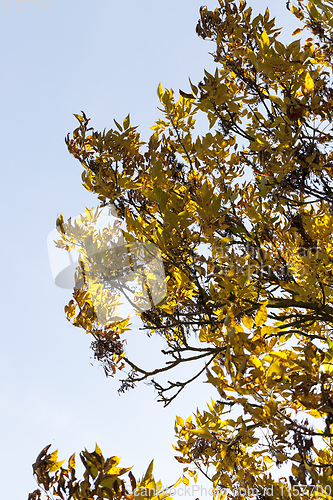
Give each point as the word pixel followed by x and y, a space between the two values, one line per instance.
pixel 242 217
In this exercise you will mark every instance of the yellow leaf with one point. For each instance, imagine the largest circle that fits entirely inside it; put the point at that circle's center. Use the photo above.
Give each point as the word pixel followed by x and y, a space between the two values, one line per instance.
pixel 309 85
pixel 261 315
pixel 179 421
pixel 56 466
pixel 265 39
pixel 98 450
pixel 53 456
pixel 185 480
pixel 275 369
pixel 268 330
pixel 225 481
pixel 188 421
pixel 204 433
pixel 294 470
pixel 315 413
pixel 177 483
pixel 257 363
pixel 247 322
pixel 159 90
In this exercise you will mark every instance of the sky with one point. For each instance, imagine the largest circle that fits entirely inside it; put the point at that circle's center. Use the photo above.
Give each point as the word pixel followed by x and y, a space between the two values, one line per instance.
pixel 58 58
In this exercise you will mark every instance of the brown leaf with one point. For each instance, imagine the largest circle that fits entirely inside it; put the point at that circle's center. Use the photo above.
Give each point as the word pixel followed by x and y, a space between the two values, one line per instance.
pixel 187 96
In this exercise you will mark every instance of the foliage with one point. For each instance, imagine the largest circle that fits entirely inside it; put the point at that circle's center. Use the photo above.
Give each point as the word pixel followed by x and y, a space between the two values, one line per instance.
pixel 243 219
pixel 101 479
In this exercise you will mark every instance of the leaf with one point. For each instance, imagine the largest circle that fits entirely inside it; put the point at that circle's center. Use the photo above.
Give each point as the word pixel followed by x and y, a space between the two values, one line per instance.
pixel 194 87
pixel 225 481
pixel 126 122
pixel 185 480
pixel 204 433
pixel 56 466
pixel 265 39
pixel 160 91
pixel 229 458
pixel 98 450
pixel 275 369
pixel 185 95
pixel 118 125
pixel 78 117
pixel 180 421
pixel 247 322
pixel 107 481
pixel 71 461
pixel 308 83
pixel 149 472
pixel 261 315
pixel 281 457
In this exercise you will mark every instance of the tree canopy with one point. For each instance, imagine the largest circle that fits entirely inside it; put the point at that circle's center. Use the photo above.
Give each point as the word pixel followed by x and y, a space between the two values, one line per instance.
pixel 242 217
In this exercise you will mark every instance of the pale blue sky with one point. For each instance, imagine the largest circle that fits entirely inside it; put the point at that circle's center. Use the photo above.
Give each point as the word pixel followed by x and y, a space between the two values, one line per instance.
pixel 106 58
